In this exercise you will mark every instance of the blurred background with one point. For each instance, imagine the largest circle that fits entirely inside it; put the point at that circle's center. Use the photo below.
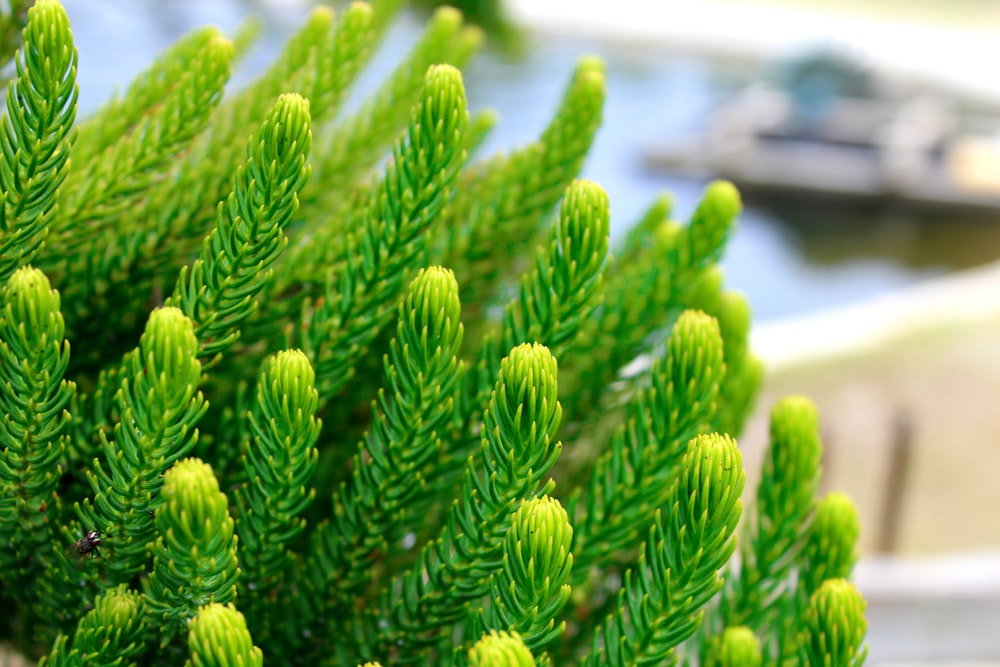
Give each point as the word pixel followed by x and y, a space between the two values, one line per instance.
pixel 865 138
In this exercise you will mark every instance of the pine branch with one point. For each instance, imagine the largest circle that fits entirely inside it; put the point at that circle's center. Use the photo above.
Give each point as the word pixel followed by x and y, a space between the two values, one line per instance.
pixel 555 300
pixel 36 133
pixel 677 573
pixel 146 96
pixel 391 233
pixel 502 202
pixel 219 289
pixel 399 452
pixel 780 521
pixel 340 202
pixel 279 466
pixel 112 634
pixel 351 148
pixel 830 552
pixel 33 400
pixel 357 142
pixel 500 649
pixel 186 206
pixel 104 228
pixel 831 548
pixel 517 451
pixel 529 589
pixel 319 63
pixel 744 371
pixel 195 554
pixel 645 291
pixel 337 64
pixel 160 405
pixel 735 647
pixel 632 481
pixel 288 73
pixel 559 294
pixel 219 638
pixel 834 627
pixel 102 192
pixel 641 235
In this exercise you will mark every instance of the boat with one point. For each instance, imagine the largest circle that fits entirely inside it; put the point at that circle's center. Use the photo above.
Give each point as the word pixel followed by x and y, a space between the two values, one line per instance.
pixel 826 131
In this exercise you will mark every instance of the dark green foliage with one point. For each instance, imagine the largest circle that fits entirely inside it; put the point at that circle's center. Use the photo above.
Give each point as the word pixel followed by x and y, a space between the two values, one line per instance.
pixel 503 201
pixel 829 552
pixel 377 459
pixel 146 133
pixel 558 294
pixel 786 554
pixel 663 269
pixel 217 292
pixel 361 139
pixel 128 152
pixel 554 301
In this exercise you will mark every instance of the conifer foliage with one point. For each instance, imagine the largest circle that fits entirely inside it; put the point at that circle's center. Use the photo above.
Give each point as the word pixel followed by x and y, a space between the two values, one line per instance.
pixel 268 395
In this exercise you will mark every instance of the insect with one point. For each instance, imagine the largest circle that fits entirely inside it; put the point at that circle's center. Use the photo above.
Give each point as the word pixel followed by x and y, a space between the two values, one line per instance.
pixel 89 544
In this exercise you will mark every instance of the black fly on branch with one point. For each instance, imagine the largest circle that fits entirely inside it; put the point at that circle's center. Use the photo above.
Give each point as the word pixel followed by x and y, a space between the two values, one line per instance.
pixel 89 544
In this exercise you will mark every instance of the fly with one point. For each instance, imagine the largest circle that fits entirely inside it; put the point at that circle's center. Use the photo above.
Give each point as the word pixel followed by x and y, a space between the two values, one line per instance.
pixel 89 544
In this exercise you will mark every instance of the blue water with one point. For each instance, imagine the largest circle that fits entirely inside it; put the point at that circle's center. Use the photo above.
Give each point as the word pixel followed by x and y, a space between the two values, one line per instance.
pixel 648 100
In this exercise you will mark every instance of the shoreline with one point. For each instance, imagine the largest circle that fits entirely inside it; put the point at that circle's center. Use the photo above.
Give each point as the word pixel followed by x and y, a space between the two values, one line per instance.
pixel 941 305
